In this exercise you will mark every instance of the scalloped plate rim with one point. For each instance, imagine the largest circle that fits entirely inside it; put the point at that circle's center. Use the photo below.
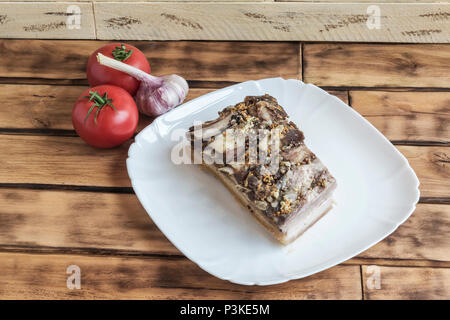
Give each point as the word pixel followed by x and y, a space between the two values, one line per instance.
pixel 333 261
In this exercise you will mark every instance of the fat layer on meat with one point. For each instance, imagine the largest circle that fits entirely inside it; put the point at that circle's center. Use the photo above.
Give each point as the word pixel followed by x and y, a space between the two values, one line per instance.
pixel 259 151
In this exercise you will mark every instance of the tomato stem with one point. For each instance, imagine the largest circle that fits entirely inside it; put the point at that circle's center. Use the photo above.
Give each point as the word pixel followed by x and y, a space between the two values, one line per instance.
pixel 99 102
pixel 121 53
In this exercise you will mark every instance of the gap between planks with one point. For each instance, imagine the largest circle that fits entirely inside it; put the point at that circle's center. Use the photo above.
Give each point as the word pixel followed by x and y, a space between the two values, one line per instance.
pixel 129 190
pixel 42 110
pixel 66 220
pixel 102 252
pixel 200 84
pixel 55 162
pixel 72 133
pixel 382 67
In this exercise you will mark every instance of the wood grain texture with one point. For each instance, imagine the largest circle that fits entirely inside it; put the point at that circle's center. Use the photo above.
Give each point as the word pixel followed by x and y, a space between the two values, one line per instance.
pixel 360 1
pixel 50 20
pixel 71 221
pixel 122 254
pixel 46 107
pixel 398 262
pixel 168 1
pixel 203 61
pixel 223 1
pixel 29 276
pixel 67 221
pixel 377 65
pixel 68 160
pixel 408 283
pixel 406 116
pixel 424 236
pixel 317 1
pixel 61 160
pixel 341 94
pixel 431 165
pixel 271 21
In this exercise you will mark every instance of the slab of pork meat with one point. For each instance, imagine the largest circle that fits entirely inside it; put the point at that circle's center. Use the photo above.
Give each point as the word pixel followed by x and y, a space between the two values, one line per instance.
pixel 280 181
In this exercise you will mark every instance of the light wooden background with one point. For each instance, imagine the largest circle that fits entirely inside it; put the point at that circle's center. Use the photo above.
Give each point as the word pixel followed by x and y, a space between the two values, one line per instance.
pixel 63 202
pixel 327 20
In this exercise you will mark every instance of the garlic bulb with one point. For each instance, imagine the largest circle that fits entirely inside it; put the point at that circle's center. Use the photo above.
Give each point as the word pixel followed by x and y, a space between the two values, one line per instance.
pixel 156 95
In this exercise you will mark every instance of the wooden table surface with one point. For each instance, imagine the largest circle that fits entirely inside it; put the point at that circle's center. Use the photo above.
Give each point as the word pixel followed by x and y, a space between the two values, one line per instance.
pixel 65 203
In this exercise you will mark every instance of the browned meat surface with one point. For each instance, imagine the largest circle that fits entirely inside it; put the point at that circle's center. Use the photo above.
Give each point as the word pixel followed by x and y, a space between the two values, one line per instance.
pixel 255 146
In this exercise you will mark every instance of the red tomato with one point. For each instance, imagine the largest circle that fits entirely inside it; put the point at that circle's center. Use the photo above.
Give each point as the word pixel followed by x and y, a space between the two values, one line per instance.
pixel 98 74
pixel 108 120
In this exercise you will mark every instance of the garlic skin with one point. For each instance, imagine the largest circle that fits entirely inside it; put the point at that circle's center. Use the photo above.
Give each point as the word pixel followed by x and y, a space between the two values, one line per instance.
pixel 156 95
pixel 170 94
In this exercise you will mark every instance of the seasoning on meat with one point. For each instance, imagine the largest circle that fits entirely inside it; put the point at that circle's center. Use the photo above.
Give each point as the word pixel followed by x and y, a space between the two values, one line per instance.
pixel 261 157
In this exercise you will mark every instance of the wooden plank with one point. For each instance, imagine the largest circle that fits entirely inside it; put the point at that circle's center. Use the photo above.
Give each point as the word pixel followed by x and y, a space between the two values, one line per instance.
pixel 431 167
pixel 44 220
pixel 61 160
pixel 47 107
pixel 29 276
pixel 200 61
pixel 272 21
pixel 377 65
pixel 51 20
pixel 398 262
pixel 424 236
pixel 406 116
pixel 343 95
pixel 78 221
pixel 357 1
pixel 57 160
pixel 185 0
pixel 316 1
pixel 38 106
pixel 407 283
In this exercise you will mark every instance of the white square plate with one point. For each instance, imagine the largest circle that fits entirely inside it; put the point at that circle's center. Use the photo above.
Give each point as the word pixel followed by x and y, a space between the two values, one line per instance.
pixel 377 189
